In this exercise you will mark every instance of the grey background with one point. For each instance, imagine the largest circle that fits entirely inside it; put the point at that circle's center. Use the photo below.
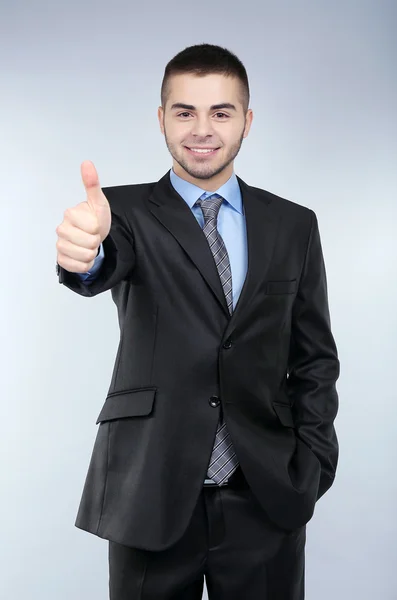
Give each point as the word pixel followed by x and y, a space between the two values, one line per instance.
pixel 81 81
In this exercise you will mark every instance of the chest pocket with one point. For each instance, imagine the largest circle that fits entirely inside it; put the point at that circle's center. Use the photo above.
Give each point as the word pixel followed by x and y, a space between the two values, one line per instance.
pixel 281 287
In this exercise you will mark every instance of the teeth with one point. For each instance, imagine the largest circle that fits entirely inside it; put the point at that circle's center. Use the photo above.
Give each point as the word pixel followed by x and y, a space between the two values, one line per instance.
pixel 201 150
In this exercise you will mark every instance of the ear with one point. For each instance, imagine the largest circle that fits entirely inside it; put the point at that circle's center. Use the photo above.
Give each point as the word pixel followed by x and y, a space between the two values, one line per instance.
pixel 248 121
pixel 160 115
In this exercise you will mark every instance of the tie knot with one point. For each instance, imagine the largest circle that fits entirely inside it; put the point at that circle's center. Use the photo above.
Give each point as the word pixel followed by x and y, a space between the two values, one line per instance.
pixel 210 206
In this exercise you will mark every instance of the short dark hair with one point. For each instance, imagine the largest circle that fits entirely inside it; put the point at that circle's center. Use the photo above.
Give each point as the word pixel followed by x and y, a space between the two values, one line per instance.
pixel 206 59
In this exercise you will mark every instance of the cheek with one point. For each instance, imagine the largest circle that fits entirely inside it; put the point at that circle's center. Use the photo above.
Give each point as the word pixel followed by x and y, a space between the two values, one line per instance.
pixel 227 138
pixel 177 133
pixel 227 134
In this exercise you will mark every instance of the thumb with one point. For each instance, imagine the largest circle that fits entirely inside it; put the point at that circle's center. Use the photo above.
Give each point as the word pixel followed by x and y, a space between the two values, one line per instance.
pixel 95 196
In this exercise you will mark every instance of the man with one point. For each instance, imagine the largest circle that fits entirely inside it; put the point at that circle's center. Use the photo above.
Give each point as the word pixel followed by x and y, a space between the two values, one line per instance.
pixel 216 437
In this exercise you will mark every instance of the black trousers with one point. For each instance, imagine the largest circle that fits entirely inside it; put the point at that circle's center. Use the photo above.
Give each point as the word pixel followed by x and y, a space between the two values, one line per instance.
pixel 229 541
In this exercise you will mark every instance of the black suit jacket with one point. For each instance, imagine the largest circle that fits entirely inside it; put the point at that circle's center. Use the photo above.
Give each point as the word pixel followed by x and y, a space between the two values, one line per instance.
pixel 271 366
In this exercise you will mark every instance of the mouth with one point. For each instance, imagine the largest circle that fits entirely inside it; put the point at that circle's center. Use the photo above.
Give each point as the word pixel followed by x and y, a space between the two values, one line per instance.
pixel 202 152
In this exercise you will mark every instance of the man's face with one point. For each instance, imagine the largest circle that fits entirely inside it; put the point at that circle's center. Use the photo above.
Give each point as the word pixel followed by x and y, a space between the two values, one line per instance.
pixel 204 113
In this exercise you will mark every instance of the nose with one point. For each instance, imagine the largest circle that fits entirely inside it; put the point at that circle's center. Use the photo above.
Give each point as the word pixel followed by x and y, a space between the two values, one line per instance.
pixel 202 127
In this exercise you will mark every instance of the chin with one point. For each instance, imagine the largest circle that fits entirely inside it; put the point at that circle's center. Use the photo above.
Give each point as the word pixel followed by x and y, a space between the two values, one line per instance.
pixel 206 174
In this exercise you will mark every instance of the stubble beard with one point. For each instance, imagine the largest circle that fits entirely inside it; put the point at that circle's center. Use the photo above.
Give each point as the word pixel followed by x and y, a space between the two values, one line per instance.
pixel 203 171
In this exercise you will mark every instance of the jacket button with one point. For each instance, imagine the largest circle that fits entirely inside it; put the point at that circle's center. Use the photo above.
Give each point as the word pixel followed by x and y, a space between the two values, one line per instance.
pixel 228 344
pixel 214 401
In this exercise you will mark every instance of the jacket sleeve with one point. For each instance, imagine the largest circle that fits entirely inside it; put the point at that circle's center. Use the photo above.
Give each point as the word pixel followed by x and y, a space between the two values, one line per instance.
pixel 119 257
pixel 313 363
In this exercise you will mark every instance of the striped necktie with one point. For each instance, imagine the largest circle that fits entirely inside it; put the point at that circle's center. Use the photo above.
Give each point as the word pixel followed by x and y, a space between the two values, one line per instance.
pixel 223 461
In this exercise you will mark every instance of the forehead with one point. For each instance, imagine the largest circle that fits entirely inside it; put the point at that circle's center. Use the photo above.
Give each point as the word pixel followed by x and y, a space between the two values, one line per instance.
pixel 204 90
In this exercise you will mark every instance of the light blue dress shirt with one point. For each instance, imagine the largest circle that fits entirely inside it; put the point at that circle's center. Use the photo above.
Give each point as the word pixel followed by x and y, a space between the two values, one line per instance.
pixel 231 226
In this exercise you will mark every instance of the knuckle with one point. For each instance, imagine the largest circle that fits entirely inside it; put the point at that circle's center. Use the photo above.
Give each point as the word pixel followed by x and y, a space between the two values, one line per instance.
pixel 69 215
pixel 61 227
pixel 96 241
pixel 90 255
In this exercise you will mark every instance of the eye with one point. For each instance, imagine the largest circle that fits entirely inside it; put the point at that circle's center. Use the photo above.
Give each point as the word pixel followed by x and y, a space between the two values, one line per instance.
pixel 218 114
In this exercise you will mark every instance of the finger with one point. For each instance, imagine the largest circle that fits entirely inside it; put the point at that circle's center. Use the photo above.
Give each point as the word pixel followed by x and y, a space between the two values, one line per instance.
pixel 78 253
pixel 82 217
pixel 72 265
pixel 95 195
pixel 78 236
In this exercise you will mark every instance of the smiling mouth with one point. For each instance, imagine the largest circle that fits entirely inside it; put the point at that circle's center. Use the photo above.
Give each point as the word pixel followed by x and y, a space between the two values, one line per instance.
pixel 202 151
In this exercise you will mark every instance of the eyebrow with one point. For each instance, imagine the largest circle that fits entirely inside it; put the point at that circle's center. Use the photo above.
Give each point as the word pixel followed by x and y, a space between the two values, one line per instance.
pixel 213 107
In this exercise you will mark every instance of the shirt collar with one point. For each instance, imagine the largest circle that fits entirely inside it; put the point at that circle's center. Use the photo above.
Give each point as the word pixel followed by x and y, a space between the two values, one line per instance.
pixel 230 191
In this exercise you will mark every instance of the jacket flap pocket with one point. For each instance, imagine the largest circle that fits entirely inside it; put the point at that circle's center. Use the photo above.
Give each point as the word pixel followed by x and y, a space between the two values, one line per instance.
pixel 281 287
pixel 131 403
pixel 284 413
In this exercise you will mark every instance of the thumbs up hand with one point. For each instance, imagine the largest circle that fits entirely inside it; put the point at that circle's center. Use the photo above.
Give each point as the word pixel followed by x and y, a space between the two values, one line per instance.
pixel 84 226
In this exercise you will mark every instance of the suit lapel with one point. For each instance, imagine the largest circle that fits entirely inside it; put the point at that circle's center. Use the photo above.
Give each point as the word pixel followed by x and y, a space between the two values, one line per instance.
pixel 262 227
pixel 175 215
pixel 172 211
